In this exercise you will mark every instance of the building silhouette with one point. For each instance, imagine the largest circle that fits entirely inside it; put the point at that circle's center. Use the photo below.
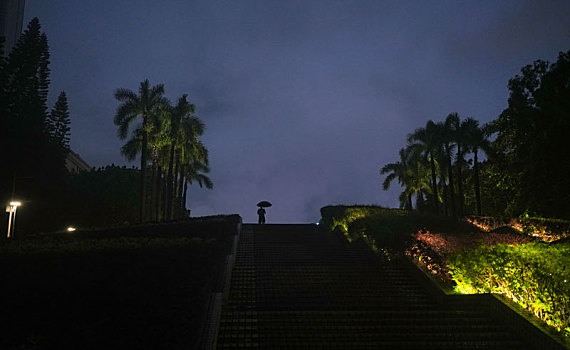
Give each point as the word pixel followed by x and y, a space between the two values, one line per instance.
pixel 75 164
pixel 11 21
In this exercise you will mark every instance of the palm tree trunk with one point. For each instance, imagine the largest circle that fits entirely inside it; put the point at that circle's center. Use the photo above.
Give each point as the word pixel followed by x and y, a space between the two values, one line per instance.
pixel 161 198
pixel 477 187
pixel 184 197
pixel 156 200
pixel 153 190
pixel 420 201
pixel 169 182
pixel 175 190
pixel 182 193
pixel 451 189
pixel 143 173
pixel 445 199
pixel 460 181
pixel 434 183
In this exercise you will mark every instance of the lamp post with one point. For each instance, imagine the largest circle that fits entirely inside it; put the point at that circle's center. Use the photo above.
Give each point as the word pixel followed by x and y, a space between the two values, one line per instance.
pixel 11 210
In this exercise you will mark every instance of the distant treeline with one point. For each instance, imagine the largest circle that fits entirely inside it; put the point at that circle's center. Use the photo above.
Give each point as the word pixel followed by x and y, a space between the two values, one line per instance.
pixel 526 169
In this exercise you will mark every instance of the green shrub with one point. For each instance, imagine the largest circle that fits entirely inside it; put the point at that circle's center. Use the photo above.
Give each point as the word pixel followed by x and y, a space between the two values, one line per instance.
pixel 387 228
pixel 341 215
pixel 534 275
pixel 547 229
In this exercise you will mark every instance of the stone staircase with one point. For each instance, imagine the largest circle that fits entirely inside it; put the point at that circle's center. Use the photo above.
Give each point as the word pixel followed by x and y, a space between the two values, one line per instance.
pixel 295 287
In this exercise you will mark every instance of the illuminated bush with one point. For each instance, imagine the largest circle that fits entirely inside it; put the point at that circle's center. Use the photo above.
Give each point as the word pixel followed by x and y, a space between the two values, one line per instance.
pixel 342 216
pixel 547 229
pixel 534 275
pixel 387 228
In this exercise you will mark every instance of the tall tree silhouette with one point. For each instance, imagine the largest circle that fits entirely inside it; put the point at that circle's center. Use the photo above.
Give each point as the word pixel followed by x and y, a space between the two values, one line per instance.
pixel 191 157
pixel 194 172
pixel 450 131
pixel 182 109
pixel 462 149
pixel 144 105
pixel 427 141
pixel 60 123
pixel 27 148
pixel 476 141
pixel 399 170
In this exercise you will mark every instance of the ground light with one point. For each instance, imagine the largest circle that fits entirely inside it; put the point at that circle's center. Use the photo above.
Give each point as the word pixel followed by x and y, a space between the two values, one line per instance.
pixel 11 210
pixel 70 229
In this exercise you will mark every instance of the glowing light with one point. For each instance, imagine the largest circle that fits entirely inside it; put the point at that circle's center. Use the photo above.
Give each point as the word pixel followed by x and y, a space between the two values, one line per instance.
pixel 70 229
pixel 11 209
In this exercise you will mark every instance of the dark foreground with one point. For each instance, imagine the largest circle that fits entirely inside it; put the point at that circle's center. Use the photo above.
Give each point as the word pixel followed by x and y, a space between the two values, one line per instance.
pixel 139 288
pixel 294 287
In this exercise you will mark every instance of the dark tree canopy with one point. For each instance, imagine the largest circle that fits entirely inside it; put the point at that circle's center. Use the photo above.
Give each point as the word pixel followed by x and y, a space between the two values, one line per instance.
pixel 527 165
pixel 532 139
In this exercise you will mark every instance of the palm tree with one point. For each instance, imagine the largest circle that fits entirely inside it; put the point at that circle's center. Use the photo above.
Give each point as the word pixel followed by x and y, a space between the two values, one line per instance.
pixel 191 154
pixel 145 105
pixel 412 172
pixel 426 140
pixel 194 172
pixel 399 170
pixel 462 149
pixel 450 130
pixel 419 170
pixel 177 114
pixel 159 140
pixel 476 141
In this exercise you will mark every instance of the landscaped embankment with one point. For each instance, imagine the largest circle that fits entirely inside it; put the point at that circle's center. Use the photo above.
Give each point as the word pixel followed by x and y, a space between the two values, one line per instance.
pixel 139 287
pixel 533 273
pixel 545 228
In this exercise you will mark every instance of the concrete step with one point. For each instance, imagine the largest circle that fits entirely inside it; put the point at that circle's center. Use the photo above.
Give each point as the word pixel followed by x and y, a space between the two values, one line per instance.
pixel 295 287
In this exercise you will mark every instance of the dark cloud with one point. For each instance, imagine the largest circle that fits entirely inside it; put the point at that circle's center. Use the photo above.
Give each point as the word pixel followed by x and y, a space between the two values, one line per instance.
pixel 304 101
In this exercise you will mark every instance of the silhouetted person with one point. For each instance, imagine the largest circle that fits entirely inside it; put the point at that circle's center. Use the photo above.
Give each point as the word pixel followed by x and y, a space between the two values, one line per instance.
pixel 261 213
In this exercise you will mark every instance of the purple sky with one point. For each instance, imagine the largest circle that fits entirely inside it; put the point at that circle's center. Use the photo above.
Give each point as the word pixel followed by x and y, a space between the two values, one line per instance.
pixel 304 101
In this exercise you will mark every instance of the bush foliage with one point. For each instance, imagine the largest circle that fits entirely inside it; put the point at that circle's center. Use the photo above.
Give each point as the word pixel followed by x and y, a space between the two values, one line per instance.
pixel 384 227
pixel 534 275
pixel 544 228
pixel 500 259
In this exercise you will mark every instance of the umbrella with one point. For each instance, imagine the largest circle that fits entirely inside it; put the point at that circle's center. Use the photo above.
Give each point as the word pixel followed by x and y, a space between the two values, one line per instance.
pixel 264 204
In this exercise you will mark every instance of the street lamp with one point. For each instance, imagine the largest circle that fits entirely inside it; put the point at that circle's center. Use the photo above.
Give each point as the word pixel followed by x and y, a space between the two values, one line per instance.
pixel 11 209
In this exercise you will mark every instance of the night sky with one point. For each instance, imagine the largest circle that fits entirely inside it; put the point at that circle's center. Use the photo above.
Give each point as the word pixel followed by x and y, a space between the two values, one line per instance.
pixel 304 101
